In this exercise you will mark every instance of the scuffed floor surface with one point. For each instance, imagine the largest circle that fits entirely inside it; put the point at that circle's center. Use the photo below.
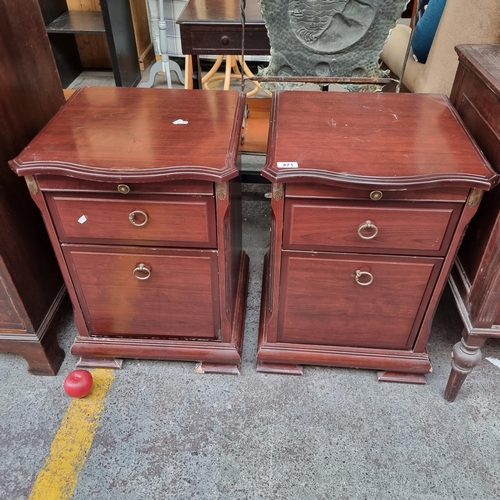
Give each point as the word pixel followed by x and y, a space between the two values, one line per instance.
pixel 168 433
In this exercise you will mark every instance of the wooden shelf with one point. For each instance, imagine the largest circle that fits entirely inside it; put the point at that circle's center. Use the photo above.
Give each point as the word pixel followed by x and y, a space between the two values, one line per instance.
pixel 111 28
pixel 78 22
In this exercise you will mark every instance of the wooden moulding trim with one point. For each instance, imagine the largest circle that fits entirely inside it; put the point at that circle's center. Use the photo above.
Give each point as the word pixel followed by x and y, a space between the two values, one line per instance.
pixel 156 174
pixel 53 311
pixel 485 331
pixel 271 173
pixel 241 300
pixel 401 361
pixel 175 350
pixel 88 172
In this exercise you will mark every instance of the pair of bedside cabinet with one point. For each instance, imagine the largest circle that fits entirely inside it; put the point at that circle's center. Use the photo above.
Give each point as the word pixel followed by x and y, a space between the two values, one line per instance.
pixel 371 194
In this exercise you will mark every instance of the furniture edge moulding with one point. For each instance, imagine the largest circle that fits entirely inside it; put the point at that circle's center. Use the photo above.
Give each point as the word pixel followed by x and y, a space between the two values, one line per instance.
pixel 284 175
pixel 155 174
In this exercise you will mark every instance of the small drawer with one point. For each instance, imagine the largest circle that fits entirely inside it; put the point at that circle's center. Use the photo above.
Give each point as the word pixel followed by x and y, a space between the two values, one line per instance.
pixel 212 42
pixel 354 300
pixel 396 228
pixel 311 190
pixel 61 183
pixel 178 221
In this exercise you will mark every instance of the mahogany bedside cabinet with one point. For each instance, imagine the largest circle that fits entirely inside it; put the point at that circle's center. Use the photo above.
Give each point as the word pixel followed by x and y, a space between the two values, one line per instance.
pixel 371 194
pixel 140 194
pixel 475 278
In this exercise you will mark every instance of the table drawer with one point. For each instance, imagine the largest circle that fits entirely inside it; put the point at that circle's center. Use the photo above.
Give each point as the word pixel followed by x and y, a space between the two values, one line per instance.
pixel 177 221
pixel 151 292
pixel 400 228
pixel 353 300
pixel 207 41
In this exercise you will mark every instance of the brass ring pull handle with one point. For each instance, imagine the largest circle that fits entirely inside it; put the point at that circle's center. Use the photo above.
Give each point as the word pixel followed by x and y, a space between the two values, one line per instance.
pixel 142 272
pixel 363 278
pixel 132 218
pixel 368 226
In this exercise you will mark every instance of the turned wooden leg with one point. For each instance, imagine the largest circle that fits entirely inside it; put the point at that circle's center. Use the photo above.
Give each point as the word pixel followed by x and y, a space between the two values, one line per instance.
pixel 464 358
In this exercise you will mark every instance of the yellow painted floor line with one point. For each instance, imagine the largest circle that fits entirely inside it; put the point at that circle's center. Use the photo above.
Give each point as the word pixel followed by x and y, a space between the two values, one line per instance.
pixel 59 476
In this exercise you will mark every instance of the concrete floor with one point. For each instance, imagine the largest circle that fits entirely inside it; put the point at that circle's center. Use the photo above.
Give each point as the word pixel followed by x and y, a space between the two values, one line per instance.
pixel 167 432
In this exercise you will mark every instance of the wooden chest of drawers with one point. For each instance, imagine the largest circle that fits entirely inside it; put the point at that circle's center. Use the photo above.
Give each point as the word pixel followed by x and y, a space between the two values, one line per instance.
pixel 139 192
pixel 371 194
pixel 475 278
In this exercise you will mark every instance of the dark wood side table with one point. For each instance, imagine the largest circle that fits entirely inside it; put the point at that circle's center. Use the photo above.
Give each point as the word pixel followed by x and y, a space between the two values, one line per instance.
pixel 475 279
pixel 31 285
pixel 214 27
pixel 140 193
pixel 371 194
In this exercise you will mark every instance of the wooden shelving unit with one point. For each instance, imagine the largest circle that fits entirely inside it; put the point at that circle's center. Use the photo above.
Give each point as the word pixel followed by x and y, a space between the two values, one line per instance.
pixel 84 38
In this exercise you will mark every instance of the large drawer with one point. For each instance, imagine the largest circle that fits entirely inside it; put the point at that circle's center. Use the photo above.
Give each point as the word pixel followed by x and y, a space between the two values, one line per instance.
pixel 354 300
pixel 150 292
pixel 178 221
pixel 390 227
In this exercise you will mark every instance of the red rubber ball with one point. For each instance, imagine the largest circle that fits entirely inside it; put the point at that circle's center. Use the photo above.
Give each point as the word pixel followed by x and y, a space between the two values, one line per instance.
pixel 78 383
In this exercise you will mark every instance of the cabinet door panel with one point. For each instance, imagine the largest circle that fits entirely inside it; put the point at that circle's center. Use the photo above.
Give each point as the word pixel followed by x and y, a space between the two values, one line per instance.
pixel 178 297
pixel 321 301
pixel 403 229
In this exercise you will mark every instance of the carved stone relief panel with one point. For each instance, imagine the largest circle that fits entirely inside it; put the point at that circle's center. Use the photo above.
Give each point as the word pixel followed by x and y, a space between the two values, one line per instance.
pixel 328 37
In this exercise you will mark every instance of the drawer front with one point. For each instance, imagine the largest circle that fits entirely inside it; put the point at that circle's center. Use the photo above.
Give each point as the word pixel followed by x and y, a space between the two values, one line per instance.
pixel 321 301
pixel 61 183
pixel 177 221
pixel 177 296
pixel 227 41
pixel 400 228
pixel 310 190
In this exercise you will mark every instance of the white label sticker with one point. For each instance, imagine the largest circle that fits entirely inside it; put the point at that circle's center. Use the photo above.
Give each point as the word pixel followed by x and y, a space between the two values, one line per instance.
pixel 180 122
pixel 82 219
pixel 288 164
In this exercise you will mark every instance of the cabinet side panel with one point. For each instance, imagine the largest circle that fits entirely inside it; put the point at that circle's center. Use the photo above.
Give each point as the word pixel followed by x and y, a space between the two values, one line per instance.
pixel 10 319
pixel 30 94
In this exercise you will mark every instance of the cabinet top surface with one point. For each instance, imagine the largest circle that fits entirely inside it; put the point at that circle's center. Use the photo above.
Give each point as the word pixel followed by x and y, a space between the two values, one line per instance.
pixel 373 140
pixel 226 11
pixel 113 133
pixel 484 60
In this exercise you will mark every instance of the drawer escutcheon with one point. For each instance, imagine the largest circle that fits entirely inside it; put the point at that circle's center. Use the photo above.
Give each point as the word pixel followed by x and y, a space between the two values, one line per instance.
pixel 123 188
